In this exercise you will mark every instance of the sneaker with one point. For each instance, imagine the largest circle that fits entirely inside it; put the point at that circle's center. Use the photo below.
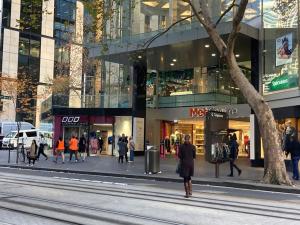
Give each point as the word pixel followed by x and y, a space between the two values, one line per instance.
pixel 76 160
pixel 63 162
pixel 230 175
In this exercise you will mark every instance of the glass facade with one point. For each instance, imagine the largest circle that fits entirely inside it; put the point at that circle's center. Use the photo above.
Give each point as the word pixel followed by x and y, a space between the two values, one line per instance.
pixel 143 18
pixel 280 45
pixel 191 87
pixel 116 87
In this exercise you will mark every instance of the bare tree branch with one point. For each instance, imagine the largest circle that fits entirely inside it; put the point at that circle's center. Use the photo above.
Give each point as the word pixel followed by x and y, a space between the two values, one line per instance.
pixel 205 20
pixel 236 24
pixel 150 41
pixel 225 12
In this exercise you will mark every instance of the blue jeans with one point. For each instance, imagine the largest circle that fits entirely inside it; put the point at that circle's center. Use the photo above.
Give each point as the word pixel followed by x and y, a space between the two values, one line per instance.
pixel 131 155
pixel 295 168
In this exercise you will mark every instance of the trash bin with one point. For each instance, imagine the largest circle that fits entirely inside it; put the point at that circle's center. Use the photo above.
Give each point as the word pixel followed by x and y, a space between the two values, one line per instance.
pixel 152 160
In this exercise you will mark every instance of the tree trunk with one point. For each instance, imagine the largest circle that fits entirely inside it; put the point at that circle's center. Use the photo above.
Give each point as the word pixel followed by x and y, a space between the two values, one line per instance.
pixel 274 168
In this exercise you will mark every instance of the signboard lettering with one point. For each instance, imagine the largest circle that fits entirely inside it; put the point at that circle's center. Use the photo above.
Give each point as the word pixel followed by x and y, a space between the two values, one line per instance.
pixel 70 119
pixel 201 112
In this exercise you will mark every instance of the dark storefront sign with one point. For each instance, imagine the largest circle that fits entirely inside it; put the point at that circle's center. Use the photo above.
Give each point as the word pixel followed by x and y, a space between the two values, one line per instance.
pixel 70 121
pixel 202 111
pixel 61 121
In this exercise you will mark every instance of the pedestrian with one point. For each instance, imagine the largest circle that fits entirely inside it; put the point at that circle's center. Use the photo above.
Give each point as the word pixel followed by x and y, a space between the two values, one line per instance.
pixel 43 143
pixel 60 150
pixel 122 149
pixel 131 149
pixel 125 140
pixel 187 154
pixel 167 144
pixel 31 154
pixel 100 143
pixel 234 147
pixel 294 149
pixel 82 147
pixel 73 146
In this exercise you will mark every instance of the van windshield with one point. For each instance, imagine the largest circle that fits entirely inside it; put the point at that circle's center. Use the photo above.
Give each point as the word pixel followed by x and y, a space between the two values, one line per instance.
pixel 11 135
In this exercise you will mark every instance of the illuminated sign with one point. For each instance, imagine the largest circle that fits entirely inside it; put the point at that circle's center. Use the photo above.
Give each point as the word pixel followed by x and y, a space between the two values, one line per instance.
pixel 201 112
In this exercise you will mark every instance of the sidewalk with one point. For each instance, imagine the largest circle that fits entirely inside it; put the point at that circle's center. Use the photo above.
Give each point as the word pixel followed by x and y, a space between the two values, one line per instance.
pixel 204 171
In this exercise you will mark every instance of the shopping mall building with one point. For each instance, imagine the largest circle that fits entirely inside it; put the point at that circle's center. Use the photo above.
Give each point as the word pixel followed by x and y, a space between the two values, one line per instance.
pixel 166 90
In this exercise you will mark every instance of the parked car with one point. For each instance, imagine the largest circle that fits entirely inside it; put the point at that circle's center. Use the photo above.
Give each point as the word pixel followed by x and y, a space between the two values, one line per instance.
pixel 25 137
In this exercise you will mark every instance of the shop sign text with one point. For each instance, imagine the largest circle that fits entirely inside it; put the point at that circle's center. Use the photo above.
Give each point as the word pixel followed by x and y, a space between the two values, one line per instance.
pixel 70 120
pixel 201 112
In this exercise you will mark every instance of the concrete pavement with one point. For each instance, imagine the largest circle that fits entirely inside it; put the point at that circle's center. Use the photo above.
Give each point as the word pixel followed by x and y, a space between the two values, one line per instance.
pixel 204 172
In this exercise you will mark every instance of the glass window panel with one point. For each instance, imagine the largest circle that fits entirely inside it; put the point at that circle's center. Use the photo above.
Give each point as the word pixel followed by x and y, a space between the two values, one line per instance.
pixel 24 46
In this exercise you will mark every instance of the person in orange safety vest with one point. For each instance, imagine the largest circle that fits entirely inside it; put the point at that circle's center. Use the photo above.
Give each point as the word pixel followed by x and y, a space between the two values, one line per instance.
pixel 73 146
pixel 60 149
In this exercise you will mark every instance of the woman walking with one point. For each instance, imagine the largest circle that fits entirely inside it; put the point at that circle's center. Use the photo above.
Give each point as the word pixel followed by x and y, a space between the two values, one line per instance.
pixel 131 148
pixel 31 155
pixel 82 147
pixel 43 143
pixel 122 150
pixel 187 154
pixel 60 150
pixel 234 148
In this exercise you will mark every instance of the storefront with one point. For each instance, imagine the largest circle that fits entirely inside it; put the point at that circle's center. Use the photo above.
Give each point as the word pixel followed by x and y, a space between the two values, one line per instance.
pixel 175 131
pixel 107 127
pixel 174 123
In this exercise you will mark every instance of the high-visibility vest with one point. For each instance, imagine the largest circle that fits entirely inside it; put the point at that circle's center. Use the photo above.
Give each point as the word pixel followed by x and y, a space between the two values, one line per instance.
pixel 73 144
pixel 61 145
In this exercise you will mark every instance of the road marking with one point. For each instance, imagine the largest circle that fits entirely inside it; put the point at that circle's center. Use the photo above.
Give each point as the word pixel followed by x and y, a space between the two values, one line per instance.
pixel 245 189
pixel 92 181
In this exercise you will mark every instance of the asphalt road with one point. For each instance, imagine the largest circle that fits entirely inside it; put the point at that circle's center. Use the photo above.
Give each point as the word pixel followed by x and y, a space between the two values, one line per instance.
pixel 35 197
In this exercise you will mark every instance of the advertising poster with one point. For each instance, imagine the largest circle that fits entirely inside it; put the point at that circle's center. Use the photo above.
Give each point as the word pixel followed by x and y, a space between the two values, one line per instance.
pixel 138 133
pixel 284 50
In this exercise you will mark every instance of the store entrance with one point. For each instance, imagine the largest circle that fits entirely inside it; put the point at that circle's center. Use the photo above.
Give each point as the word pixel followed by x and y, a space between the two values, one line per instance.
pixel 100 134
pixel 175 131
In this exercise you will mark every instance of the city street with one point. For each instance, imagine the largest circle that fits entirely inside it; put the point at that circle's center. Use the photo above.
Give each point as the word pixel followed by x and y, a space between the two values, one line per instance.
pixel 35 197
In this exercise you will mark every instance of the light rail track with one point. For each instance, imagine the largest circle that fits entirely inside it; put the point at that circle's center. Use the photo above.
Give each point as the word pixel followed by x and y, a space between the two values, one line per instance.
pixel 196 201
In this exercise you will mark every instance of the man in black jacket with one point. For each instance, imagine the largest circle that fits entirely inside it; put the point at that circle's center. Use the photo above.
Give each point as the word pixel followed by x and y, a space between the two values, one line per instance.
pixel 294 149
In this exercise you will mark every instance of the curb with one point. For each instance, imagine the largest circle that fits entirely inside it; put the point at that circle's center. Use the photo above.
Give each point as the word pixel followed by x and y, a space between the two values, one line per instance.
pixel 235 184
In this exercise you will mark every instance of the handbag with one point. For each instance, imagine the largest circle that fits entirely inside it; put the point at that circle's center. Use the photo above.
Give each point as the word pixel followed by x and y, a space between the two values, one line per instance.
pixel 178 168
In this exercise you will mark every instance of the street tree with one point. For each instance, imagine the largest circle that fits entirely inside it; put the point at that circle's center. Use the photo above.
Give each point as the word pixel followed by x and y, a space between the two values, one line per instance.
pixel 274 166
pixel 21 96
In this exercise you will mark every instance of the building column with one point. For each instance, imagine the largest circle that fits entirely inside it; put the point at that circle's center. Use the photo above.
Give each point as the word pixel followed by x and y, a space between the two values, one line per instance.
pixel 256 159
pixel 139 103
pixel 173 11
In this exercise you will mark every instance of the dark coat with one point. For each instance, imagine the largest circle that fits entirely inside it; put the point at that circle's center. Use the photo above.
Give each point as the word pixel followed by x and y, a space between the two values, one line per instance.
pixel 82 143
pixel 294 148
pixel 234 146
pixel 122 148
pixel 187 154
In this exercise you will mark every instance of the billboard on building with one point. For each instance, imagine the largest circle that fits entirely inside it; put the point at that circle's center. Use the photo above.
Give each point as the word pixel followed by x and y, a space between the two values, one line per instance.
pixel 284 49
pixel 281 66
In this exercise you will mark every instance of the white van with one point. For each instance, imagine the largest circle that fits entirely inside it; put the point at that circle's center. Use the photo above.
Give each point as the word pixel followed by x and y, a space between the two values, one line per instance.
pixel 7 127
pixel 25 137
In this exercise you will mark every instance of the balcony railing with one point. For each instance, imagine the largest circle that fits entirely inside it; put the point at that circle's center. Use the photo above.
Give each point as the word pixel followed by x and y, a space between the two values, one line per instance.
pixel 191 100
